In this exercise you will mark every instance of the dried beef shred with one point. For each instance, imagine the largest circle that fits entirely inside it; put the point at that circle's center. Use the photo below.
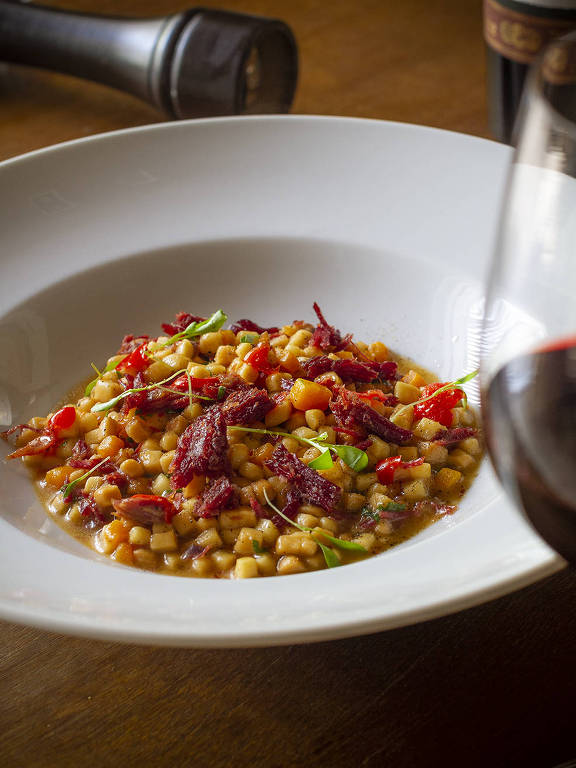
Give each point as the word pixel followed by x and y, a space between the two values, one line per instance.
pixel 195 552
pixel 145 509
pixel 327 337
pixel 291 507
pixel 352 411
pixel 257 508
pixel 250 326
pixel 129 343
pixel 350 370
pixel 246 406
pixel 220 494
pixel 312 487
pixel 182 321
pixel 202 449
pixel 452 436
pixel 89 509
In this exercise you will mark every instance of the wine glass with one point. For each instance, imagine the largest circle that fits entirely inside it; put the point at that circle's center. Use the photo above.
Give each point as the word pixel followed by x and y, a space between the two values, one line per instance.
pixel 529 333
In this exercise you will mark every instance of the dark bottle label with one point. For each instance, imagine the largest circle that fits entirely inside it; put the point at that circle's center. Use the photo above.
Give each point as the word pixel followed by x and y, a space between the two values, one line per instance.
pixel 520 31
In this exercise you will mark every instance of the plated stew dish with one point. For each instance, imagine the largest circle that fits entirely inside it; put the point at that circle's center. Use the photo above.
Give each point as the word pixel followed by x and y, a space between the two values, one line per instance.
pixel 247 451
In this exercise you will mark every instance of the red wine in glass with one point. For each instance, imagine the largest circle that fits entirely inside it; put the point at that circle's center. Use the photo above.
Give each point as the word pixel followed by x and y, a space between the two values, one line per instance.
pixel 531 431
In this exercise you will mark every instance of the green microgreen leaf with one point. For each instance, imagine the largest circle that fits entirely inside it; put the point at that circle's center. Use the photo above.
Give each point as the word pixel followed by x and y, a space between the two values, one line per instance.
pixel 350 455
pixel 330 556
pixel 67 490
pixel 324 461
pixel 257 548
pixel 111 403
pixel 109 367
pixel 221 393
pixel 392 506
pixel 249 338
pixel 342 544
pixel 213 323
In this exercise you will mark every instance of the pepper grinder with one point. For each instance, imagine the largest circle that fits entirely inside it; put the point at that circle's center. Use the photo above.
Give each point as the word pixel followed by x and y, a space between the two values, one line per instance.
pixel 197 63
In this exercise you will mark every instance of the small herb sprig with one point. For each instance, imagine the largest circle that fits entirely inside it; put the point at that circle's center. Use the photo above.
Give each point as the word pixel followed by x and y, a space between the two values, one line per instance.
pixel 113 401
pixel 355 458
pixel 210 325
pixel 369 514
pixel 330 556
pixel 67 490
pixel 110 367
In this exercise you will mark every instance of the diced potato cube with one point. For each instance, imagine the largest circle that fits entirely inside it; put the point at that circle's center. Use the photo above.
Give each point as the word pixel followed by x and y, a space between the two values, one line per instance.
pixel 471 446
pixel 246 568
pixel 266 564
pixel 223 560
pixel 184 523
pixel 299 543
pixel 426 429
pixel 403 416
pixel 163 542
pixel 139 536
pixel 161 483
pixel 269 531
pixel 461 460
pixel 406 393
pixel 238 518
pixel 289 564
pixel 245 542
pixel 433 453
pixel 414 490
pixel 366 540
pixel 446 479
pixel 209 538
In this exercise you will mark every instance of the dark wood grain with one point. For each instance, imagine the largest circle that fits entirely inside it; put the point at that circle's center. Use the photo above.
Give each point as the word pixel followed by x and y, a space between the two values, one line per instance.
pixel 491 686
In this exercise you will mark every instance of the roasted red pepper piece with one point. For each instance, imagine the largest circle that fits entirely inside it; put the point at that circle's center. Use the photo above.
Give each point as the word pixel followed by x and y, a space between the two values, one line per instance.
pixel 47 442
pixel 258 358
pixel 145 508
pixel 135 362
pixel 439 407
pixel 62 419
pixel 386 468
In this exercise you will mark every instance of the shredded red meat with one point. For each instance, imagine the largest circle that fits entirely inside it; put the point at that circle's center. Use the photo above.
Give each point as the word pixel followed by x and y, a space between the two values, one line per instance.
pixel 195 552
pixel 291 507
pixel 246 406
pixel 182 321
pixel 326 336
pixel 313 488
pixel 350 370
pixel 202 449
pixel 257 508
pixel 145 508
pixel 248 325
pixel 452 436
pixel 89 509
pixel 129 343
pixel 220 494
pixel 430 507
pixel 352 411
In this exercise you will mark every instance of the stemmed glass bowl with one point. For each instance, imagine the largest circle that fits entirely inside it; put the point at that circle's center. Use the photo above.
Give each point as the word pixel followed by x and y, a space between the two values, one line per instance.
pixel 529 333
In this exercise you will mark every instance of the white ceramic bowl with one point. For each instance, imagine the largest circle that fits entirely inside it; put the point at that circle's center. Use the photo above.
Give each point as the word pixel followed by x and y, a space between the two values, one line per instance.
pixel 388 226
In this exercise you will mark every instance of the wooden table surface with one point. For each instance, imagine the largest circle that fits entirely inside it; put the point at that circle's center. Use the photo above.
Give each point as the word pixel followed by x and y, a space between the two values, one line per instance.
pixel 491 686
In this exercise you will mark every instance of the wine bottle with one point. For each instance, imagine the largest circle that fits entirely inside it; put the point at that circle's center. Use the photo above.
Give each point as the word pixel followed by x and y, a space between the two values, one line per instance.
pixel 515 34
